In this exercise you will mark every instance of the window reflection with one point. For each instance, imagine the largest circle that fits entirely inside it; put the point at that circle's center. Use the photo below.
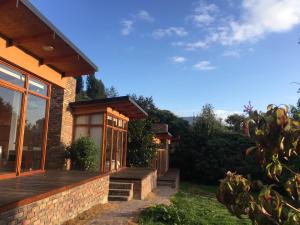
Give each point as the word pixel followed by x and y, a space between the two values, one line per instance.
pixel 37 86
pixel 10 105
pixel 33 136
pixel 11 76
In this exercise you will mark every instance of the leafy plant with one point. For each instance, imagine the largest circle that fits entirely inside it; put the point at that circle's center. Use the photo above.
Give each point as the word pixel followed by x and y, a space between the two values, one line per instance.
pixel 83 154
pixel 277 139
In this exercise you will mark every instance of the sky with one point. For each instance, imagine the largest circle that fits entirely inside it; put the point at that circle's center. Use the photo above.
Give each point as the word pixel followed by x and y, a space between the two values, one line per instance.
pixel 187 53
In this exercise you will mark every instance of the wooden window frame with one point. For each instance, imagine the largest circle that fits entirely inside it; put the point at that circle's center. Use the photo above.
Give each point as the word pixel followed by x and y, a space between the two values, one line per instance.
pixel 23 110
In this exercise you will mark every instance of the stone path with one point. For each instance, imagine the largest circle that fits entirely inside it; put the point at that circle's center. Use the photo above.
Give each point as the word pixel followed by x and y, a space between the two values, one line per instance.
pixel 128 211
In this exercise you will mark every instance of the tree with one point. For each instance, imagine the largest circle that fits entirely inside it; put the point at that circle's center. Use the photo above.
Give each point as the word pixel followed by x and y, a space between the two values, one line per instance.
pixel 277 139
pixel 79 85
pixel 235 122
pixel 95 88
pixel 207 123
pixel 111 92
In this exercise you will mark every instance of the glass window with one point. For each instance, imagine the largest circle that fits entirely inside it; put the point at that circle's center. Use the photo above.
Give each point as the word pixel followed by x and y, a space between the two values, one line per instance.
pixel 109 120
pixel 115 122
pixel 125 125
pixel 115 147
pixel 10 105
pixel 119 150
pixel 120 123
pixel 107 149
pixel 96 136
pixel 97 119
pixel 37 86
pixel 33 135
pixel 82 120
pixel 12 76
pixel 81 132
pixel 124 149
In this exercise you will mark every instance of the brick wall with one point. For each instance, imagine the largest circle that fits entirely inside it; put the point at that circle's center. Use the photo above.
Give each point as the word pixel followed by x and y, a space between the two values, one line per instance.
pixel 60 124
pixel 60 207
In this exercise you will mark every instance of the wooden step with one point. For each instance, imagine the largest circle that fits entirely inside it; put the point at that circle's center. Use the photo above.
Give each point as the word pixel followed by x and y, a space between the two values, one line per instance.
pixel 120 185
pixel 121 192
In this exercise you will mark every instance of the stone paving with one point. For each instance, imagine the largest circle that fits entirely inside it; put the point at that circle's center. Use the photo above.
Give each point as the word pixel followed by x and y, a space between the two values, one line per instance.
pixel 128 211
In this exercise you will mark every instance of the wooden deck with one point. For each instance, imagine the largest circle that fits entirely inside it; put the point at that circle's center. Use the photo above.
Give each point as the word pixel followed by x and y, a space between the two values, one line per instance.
pixel 26 189
pixel 132 173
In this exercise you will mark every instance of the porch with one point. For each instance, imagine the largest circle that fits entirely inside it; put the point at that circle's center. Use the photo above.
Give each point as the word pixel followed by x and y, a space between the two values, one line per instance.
pixel 39 197
pixel 143 181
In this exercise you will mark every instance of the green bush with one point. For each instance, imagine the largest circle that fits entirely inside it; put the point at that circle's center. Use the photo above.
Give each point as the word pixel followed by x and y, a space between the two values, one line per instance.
pixel 169 215
pixel 83 154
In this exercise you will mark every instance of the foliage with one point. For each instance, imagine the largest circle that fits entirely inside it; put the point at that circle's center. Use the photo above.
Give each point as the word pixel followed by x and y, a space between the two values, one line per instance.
pixel 277 139
pixel 206 123
pixel 111 92
pixel 79 84
pixel 141 148
pixel 95 88
pixel 235 122
pixel 193 205
pixel 83 154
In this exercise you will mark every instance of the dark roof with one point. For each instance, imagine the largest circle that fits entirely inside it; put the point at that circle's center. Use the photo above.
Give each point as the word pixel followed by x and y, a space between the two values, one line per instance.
pixel 161 131
pixel 124 104
pixel 22 25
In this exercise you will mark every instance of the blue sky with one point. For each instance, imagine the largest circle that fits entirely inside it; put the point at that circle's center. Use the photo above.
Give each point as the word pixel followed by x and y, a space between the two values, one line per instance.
pixel 189 53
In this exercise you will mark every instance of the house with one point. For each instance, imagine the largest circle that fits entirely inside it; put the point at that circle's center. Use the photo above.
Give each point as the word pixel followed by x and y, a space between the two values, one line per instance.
pixel 163 139
pixel 39 118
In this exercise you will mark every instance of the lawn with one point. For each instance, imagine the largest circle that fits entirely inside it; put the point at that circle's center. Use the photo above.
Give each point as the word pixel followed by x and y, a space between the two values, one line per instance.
pixel 193 205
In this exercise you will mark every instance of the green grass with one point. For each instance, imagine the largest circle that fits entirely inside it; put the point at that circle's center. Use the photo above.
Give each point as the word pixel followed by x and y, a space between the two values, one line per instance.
pixel 197 205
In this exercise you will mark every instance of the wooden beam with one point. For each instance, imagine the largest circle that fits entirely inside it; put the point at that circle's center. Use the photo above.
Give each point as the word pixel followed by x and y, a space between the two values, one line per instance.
pixel 32 38
pixel 61 59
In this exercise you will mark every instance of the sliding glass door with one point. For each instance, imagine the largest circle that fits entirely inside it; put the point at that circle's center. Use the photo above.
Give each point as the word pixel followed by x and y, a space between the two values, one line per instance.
pixel 10 108
pixel 24 111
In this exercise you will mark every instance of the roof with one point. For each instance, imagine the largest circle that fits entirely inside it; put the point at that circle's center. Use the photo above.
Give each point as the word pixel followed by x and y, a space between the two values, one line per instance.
pixel 161 131
pixel 23 26
pixel 124 104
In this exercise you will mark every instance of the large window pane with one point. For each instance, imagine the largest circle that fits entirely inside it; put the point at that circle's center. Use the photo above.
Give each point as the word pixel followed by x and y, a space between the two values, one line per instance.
pixel 10 104
pixel 81 132
pixel 97 119
pixel 119 150
pixel 82 120
pixel 37 86
pixel 34 131
pixel 107 149
pixel 96 136
pixel 115 147
pixel 11 76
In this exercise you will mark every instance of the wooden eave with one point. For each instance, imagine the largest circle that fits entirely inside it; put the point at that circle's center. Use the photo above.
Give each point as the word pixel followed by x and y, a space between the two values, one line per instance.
pixel 124 105
pixel 23 26
pixel 164 136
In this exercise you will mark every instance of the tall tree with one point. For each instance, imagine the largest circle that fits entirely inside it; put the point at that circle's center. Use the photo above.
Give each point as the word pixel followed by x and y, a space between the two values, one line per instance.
pixel 95 88
pixel 111 92
pixel 235 122
pixel 79 85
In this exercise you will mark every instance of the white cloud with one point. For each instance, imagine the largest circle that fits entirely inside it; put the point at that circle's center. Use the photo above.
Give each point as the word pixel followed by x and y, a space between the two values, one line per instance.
pixel 127 27
pixel 204 65
pixel 178 43
pixel 259 18
pixel 171 31
pixel 196 45
pixel 204 14
pixel 178 59
pixel 144 15
pixel 232 53
pixel 223 114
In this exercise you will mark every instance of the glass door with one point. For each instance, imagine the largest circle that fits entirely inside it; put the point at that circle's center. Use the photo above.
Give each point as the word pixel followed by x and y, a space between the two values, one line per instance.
pixel 10 108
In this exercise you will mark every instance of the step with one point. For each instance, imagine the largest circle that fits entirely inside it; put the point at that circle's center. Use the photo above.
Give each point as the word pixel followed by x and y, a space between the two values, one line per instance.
pixel 118 198
pixel 120 185
pixel 121 192
pixel 166 183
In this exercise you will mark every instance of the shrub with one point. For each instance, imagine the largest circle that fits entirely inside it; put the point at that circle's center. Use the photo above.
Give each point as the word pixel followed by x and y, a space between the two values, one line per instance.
pixel 83 154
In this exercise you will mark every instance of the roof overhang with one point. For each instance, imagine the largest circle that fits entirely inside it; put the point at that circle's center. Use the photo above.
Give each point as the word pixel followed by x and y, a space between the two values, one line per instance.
pixel 163 136
pixel 23 26
pixel 124 105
